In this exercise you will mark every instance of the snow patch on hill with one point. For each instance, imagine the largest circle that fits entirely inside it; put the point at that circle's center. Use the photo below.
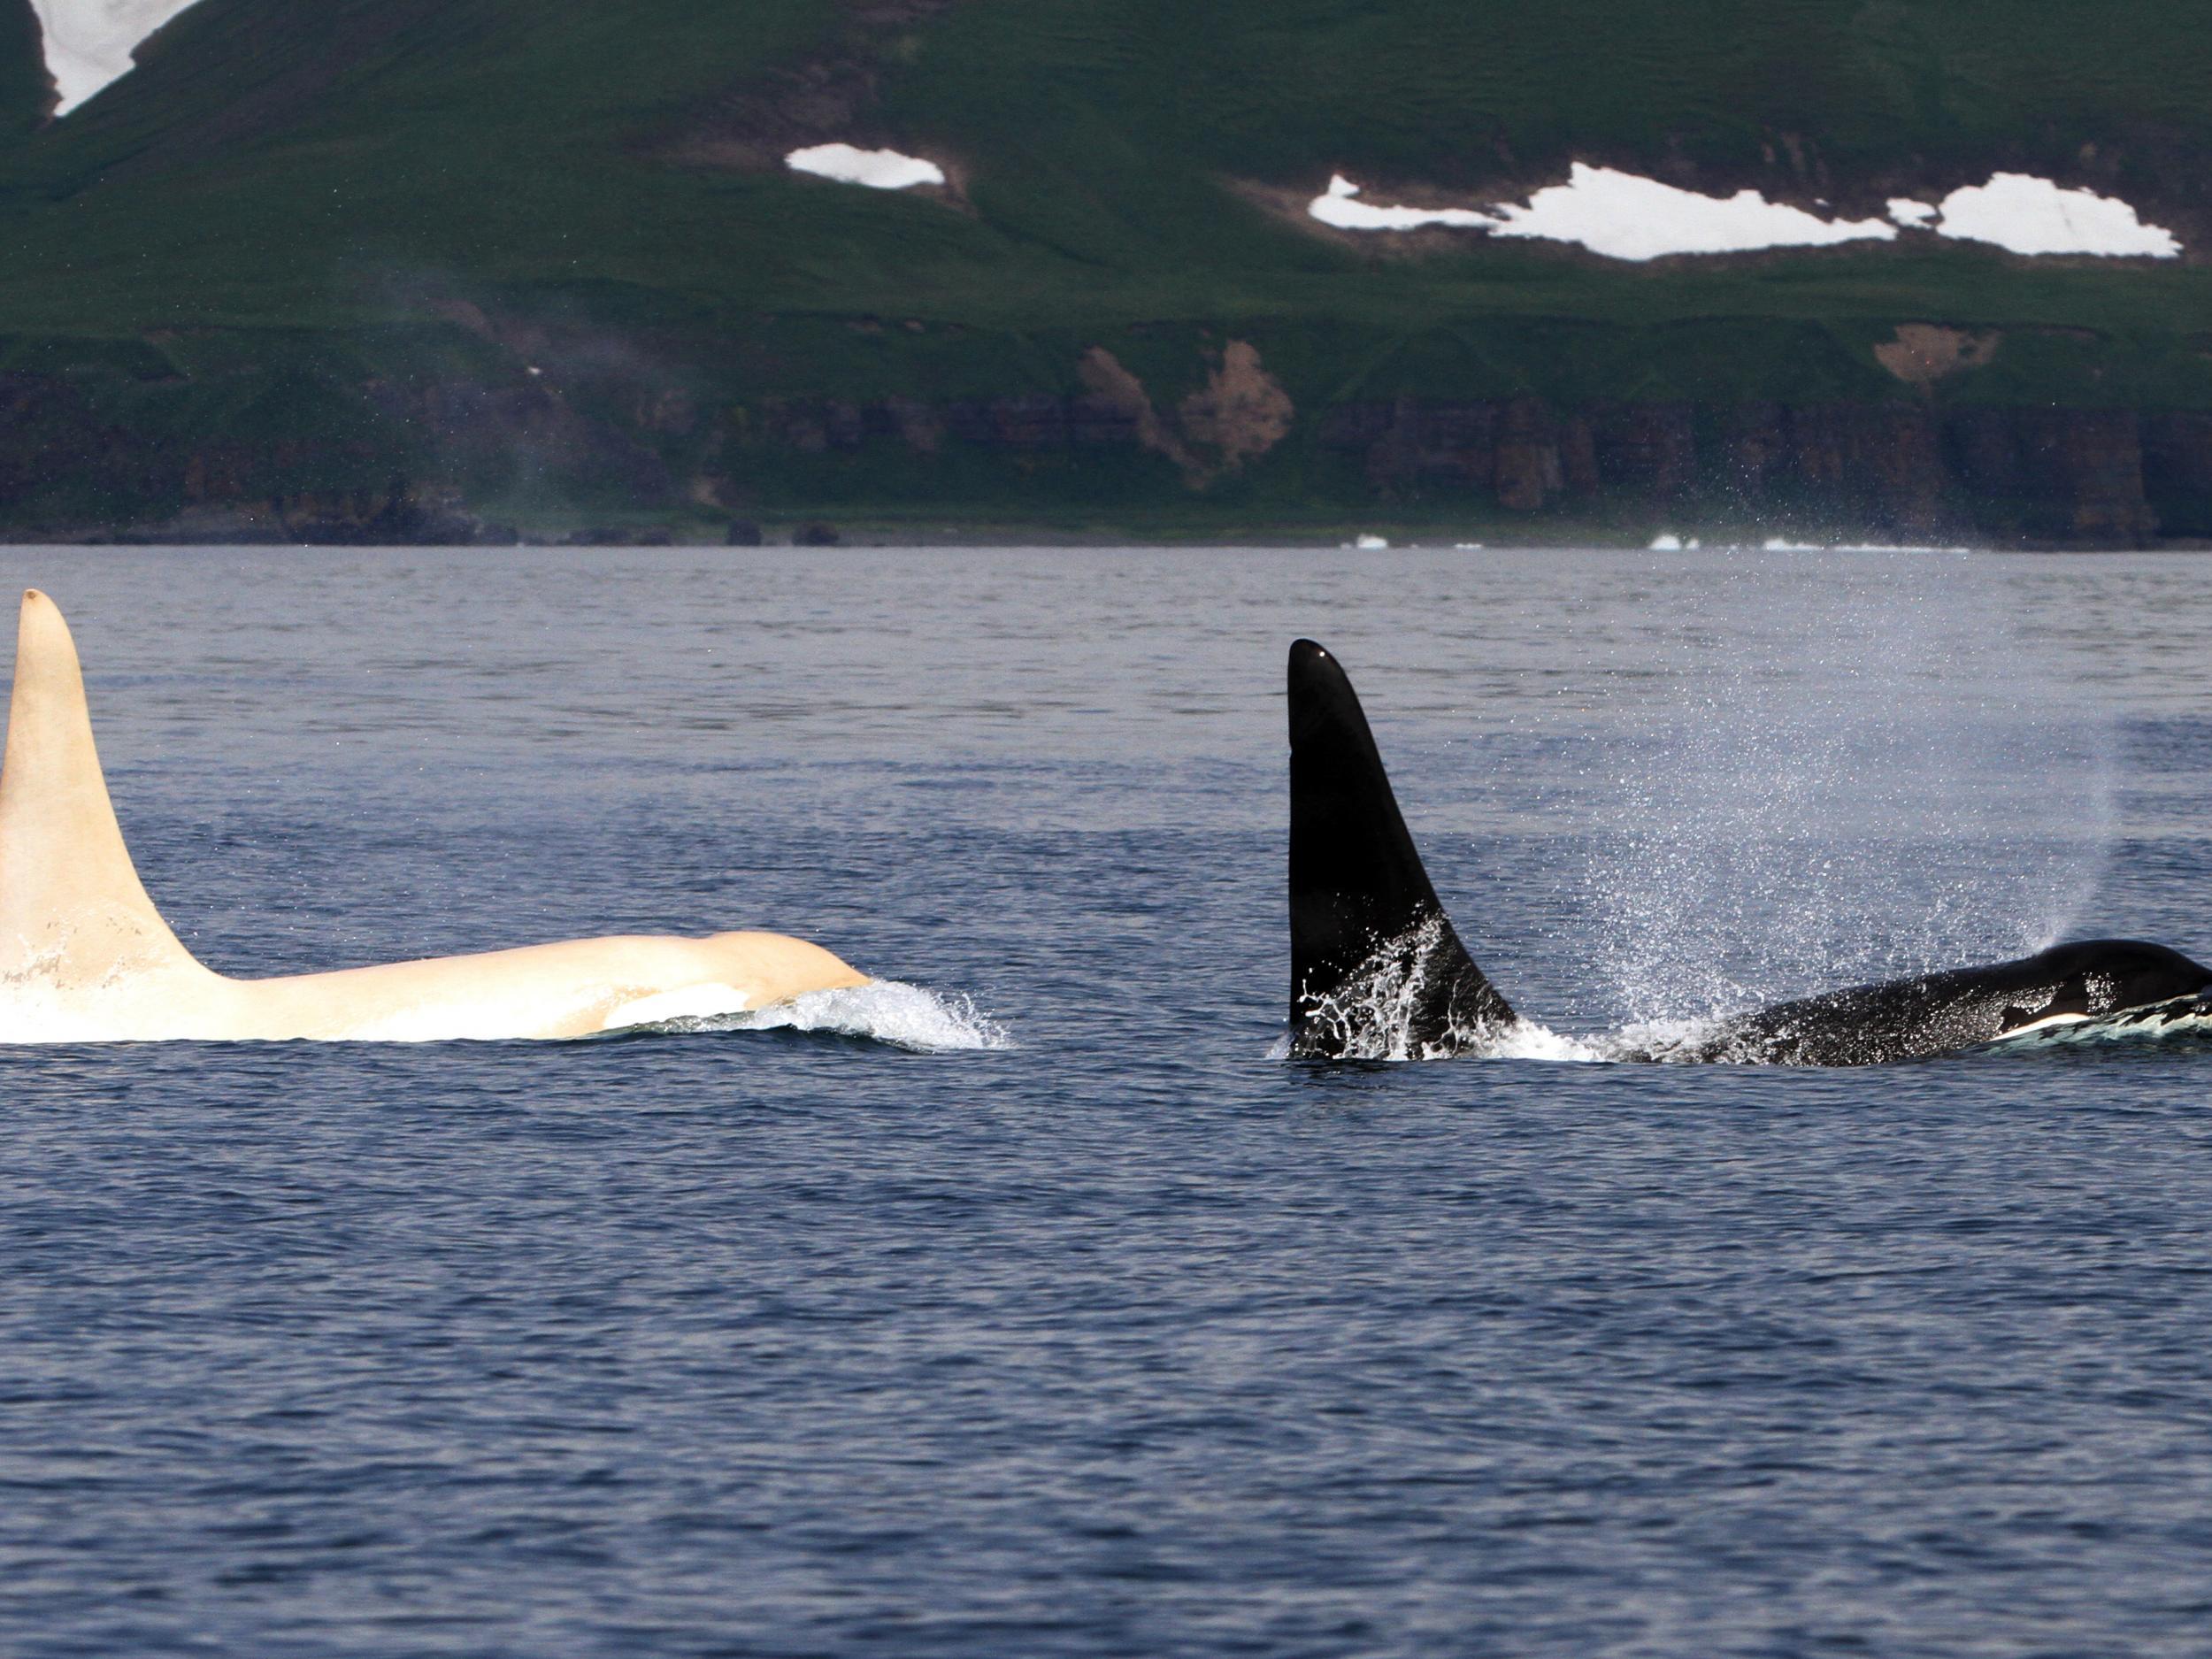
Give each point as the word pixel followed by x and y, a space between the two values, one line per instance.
pixel 1336 207
pixel 1624 216
pixel 89 42
pixel 1619 215
pixel 878 169
pixel 2019 211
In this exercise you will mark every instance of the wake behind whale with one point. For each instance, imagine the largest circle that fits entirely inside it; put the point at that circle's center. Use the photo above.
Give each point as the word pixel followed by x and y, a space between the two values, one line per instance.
pixel 887 1011
pixel 1379 972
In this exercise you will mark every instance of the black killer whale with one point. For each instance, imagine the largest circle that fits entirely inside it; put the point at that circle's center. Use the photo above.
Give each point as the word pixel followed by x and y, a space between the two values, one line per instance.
pixel 1377 971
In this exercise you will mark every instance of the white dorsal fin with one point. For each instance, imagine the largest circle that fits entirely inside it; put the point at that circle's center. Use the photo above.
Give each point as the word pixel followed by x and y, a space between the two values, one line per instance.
pixel 72 911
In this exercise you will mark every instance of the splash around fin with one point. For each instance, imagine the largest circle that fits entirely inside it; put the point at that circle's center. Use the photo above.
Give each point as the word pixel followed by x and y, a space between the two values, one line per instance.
pixel 1375 970
pixel 1378 972
pixel 85 956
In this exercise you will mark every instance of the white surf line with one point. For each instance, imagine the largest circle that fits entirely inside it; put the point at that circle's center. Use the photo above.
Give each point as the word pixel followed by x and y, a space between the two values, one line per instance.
pixel 876 169
pixel 89 43
pixel 1783 544
pixel 1624 216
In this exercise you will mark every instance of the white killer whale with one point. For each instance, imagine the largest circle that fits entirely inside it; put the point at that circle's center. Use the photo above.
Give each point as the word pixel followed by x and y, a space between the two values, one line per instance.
pixel 1377 969
pixel 86 958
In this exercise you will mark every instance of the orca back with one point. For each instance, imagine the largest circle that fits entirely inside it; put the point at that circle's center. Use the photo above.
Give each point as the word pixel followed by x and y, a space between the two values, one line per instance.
pixel 2071 989
pixel 1375 970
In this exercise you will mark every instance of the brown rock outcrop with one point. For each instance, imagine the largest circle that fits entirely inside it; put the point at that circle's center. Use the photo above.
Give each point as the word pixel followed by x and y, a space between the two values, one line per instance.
pixel 398 461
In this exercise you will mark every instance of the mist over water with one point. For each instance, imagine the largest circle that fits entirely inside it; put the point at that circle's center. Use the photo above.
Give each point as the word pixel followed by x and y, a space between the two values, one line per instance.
pixel 1851 768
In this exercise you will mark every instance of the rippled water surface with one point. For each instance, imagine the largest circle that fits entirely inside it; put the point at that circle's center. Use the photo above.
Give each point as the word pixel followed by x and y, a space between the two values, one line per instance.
pixel 1125 1340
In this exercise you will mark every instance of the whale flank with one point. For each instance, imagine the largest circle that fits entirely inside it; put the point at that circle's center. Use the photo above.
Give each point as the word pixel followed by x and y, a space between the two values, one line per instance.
pixel 85 956
pixel 1379 972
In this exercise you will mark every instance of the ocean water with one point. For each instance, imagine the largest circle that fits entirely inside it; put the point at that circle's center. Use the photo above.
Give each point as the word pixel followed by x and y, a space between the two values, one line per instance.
pixel 1036 1310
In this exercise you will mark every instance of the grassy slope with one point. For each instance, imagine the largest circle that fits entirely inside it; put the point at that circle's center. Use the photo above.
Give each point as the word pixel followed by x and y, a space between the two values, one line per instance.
pixel 311 170
pixel 1428 88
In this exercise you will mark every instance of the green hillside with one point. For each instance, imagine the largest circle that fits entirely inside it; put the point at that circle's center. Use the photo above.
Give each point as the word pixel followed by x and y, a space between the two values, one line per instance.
pixel 289 200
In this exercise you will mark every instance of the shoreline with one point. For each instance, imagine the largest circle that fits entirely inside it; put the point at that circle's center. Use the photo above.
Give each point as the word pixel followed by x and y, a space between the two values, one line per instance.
pixel 1383 538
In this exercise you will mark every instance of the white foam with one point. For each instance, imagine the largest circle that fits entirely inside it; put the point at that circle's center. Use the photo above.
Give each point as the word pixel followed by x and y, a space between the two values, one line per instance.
pixel 884 1010
pixel 1911 214
pixel 1372 544
pixel 877 169
pixel 1523 1040
pixel 89 43
pixel 693 1002
pixel 1660 1039
pixel 1526 1040
pixel 1371 1014
pixel 2034 216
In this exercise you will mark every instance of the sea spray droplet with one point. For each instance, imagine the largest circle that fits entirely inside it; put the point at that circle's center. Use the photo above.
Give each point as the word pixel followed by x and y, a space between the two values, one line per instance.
pixel 1828 792
pixel 1377 1014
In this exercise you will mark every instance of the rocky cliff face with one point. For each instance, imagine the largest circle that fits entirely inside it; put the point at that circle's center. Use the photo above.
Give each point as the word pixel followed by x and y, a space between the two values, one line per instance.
pixel 2090 477
pixel 417 460
pixel 2082 475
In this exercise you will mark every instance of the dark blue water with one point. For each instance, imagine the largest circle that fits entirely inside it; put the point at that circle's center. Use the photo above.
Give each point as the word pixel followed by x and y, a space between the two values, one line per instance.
pixel 1125 1339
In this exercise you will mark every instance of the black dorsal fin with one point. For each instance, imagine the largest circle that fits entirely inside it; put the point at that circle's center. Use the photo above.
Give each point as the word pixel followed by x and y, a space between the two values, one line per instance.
pixel 1375 968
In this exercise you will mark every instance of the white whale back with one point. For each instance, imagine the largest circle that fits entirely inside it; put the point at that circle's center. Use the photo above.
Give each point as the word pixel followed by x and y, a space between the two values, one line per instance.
pixel 85 957
pixel 72 911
